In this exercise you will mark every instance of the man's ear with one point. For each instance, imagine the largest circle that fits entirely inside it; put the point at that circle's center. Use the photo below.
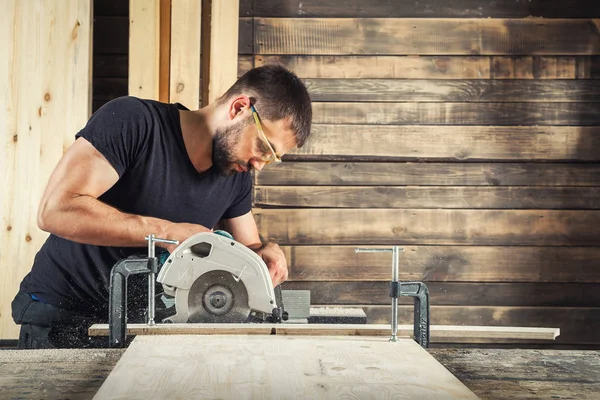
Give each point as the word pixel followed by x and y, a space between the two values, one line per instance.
pixel 237 105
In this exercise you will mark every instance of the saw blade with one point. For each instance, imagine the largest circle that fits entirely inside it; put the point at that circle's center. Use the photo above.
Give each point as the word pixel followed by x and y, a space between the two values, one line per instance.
pixel 216 297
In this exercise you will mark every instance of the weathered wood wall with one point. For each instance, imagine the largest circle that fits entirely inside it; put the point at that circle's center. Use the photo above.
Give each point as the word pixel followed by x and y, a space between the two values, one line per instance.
pixel 45 81
pixel 467 131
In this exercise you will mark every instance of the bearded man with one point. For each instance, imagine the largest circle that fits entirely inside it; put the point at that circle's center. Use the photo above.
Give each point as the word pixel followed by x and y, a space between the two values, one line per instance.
pixel 142 167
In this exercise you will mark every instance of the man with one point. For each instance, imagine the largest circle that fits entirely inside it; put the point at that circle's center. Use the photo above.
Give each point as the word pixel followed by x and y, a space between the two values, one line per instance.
pixel 142 167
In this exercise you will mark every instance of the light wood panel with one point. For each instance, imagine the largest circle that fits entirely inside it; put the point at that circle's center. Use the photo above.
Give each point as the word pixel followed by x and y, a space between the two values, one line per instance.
pixel 432 67
pixel 429 174
pixel 454 142
pixel 184 85
pixel 469 197
pixel 581 114
pixel 577 325
pixel 237 366
pixel 428 9
pixel 413 226
pixel 456 90
pixel 224 25
pixel 144 48
pixel 45 81
pixel 446 264
pixel 404 36
pixel 457 293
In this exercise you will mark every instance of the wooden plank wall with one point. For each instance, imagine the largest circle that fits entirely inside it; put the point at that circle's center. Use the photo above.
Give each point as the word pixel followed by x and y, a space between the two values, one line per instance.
pixel 45 81
pixel 468 132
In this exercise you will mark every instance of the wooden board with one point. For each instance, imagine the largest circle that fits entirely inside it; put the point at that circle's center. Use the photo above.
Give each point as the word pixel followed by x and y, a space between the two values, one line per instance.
pixel 279 367
pixel 402 142
pixel 144 49
pixel 405 36
pixel 184 72
pixel 446 264
pixel 456 197
pixel 511 294
pixel 415 226
pixel 224 26
pixel 456 113
pixel 427 9
pixel 439 333
pixel 432 67
pixel 45 100
pixel 429 174
pixel 111 35
pixel 446 90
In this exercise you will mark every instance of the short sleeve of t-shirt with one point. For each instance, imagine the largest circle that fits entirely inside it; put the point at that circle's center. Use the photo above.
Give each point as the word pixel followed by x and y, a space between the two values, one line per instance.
pixel 117 130
pixel 242 204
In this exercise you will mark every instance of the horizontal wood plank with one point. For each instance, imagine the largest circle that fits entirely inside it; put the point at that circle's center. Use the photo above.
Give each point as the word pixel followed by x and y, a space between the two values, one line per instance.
pixel 464 113
pixel 421 9
pixel 577 325
pixel 447 264
pixel 111 35
pixel 112 8
pixel 457 293
pixel 110 66
pixel 429 174
pixel 410 142
pixel 404 36
pixel 109 88
pixel 464 197
pixel 432 67
pixel 435 227
pixel 457 90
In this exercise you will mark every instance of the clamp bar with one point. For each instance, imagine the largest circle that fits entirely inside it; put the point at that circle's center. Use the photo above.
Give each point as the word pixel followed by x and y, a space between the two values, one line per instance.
pixel 152 240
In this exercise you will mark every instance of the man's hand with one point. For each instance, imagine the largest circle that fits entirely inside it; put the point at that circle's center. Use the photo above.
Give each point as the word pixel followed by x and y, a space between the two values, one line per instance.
pixel 180 232
pixel 273 256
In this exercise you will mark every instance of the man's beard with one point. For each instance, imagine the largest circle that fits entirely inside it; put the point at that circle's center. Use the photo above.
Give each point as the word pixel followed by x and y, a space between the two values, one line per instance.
pixel 225 141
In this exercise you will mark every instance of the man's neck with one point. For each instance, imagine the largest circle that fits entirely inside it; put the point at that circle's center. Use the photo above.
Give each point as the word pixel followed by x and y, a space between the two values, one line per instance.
pixel 197 136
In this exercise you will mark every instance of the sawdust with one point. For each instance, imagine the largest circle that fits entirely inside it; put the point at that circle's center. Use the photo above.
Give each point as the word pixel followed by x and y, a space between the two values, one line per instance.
pixel 61 355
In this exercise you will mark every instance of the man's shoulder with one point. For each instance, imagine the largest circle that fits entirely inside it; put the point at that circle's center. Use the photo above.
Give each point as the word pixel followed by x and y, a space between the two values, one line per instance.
pixel 132 104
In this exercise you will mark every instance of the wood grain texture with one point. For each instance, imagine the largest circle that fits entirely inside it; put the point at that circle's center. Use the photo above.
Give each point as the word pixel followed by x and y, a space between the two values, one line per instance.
pixel 446 264
pixel 439 333
pixel 188 366
pixel 432 67
pixel 457 90
pixel 455 197
pixel 144 49
pixel 184 86
pixel 224 27
pixel 429 174
pixel 460 113
pixel 511 294
pixel 403 36
pixel 45 100
pixel 164 50
pixel 434 227
pixel 406 142
pixel 577 325
pixel 426 9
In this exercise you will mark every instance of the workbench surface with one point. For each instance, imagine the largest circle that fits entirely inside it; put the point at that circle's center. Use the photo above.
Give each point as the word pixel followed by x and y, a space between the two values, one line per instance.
pixel 489 373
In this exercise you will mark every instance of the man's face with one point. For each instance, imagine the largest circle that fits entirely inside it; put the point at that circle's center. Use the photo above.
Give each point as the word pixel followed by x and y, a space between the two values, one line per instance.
pixel 240 147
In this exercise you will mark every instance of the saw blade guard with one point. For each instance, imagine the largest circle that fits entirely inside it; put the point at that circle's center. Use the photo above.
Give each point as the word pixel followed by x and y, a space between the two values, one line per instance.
pixel 206 252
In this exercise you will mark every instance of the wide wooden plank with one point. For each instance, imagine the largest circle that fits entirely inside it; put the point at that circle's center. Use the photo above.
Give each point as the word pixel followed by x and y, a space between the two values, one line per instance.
pixel 406 142
pixel 405 36
pixel 468 197
pixel 577 325
pixel 457 90
pixel 414 226
pixel 429 174
pixel 461 113
pixel 224 25
pixel 432 67
pixel 427 9
pixel 439 333
pixel 238 366
pixel 144 49
pixel 457 293
pixel 446 264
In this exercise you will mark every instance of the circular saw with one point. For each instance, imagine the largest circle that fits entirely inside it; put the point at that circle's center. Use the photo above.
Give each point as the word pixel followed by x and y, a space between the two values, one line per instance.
pixel 213 278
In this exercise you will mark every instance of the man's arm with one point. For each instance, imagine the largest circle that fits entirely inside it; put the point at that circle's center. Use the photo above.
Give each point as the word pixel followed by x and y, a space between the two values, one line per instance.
pixel 70 207
pixel 245 231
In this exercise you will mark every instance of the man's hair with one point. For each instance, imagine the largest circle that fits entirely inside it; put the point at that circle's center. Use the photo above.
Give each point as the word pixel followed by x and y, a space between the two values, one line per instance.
pixel 277 93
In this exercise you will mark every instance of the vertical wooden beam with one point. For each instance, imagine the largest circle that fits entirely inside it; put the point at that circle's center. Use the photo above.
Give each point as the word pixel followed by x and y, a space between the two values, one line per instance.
pixel 185 53
pixel 144 48
pixel 45 98
pixel 164 50
pixel 223 47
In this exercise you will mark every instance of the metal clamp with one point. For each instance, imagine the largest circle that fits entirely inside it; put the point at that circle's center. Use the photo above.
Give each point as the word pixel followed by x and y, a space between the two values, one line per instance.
pixel 152 240
pixel 418 290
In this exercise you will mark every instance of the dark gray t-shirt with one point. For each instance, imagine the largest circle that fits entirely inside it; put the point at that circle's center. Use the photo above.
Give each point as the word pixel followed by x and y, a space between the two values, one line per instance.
pixel 142 140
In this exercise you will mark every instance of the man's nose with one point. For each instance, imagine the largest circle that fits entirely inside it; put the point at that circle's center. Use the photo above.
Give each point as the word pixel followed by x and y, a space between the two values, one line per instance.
pixel 257 164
